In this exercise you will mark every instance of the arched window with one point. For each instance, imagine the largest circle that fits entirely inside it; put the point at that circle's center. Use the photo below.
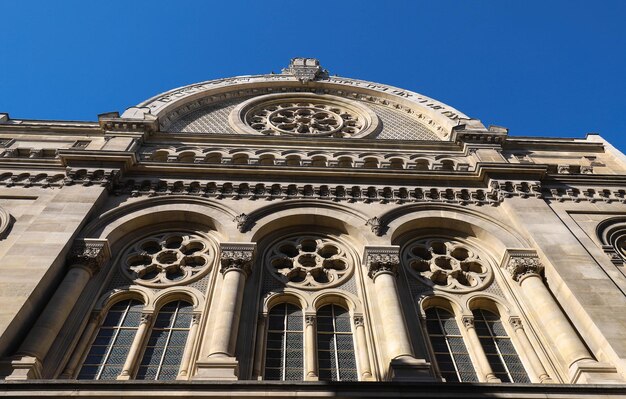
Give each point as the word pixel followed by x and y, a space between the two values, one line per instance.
pixel 108 351
pixel 335 347
pixel 284 351
pixel 450 351
pixel 498 347
pixel 166 345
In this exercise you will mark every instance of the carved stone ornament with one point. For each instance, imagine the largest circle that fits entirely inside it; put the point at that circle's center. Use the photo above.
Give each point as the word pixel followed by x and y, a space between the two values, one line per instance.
pixel 468 321
pixel 515 322
pixel 380 260
pixel 167 259
pixel 447 265
pixel 91 254
pixel 241 221
pixel 6 221
pixel 309 261
pixel 375 224
pixel 236 256
pixel 310 320
pixel 305 69
pixel 359 321
pixel 519 267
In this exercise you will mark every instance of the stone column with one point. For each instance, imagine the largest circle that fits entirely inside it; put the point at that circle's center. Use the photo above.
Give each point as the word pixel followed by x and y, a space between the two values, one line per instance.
pixel 86 258
pixel 526 270
pixel 382 264
pixel 484 368
pixel 135 347
pixel 183 373
pixel 85 339
pixel 236 262
pixel 529 351
pixel 310 346
pixel 259 346
pixel 361 346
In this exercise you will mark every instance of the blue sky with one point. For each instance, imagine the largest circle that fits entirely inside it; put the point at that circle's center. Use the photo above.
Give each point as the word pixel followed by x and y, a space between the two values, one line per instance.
pixel 540 68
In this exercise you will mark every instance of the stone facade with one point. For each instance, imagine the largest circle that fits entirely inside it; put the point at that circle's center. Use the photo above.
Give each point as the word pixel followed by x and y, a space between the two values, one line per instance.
pixel 308 228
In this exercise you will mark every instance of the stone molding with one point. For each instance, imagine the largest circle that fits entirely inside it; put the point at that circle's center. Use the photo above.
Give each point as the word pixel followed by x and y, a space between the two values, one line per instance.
pixel 522 262
pixel 83 176
pixel 90 253
pixel 6 222
pixel 237 256
pixel 381 259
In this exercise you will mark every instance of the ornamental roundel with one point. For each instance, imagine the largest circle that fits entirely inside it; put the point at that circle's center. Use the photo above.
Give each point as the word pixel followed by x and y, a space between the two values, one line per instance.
pixel 309 262
pixel 447 265
pixel 168 259
pixel 304 114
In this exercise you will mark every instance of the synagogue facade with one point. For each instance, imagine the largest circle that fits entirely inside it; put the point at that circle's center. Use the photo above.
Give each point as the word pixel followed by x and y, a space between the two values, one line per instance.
pixel 312 234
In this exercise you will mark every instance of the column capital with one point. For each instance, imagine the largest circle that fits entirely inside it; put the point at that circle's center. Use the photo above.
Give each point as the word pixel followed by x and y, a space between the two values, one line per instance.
pixel 310 319
pixel 89 253
pixel 359 321
pixel 381 259
pixel 468 321
pixel 237 256
pixel 515 322
pixel 145 318
pixel 522 262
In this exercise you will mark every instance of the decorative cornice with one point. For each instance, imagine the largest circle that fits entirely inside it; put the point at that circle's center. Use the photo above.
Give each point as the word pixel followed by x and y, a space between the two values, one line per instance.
pixel 90 253
pixel 381 259
pixel 522 262
pixel 237 256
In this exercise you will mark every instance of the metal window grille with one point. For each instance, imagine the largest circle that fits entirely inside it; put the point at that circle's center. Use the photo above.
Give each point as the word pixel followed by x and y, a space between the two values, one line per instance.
pixel 498 347
pixel 108 351
pixel 284 346
pixel 335 346
pixel 450 351
pixel 164 351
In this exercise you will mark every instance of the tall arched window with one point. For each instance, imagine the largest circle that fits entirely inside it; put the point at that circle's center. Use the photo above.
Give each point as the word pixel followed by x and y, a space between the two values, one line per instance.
pixel 166 345
pixel 498 347
pixel 109 349
pixel 285 345
pixel 335 347
pixel 450 351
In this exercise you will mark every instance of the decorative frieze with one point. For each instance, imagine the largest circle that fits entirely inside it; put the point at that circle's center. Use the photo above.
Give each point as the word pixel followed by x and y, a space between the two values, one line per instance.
pixel 237 256
pixel 381 259
pixel 89 253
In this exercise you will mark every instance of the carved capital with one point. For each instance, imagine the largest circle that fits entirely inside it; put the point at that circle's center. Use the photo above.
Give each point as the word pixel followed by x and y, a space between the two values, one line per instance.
pixel 468 321
pixel 195 318
pixel 515 322
pixel 359 321
pixel 310 320
pixel 381 259
pixel 237 256
pixel 145 318
pixel 520 266
pixel 90 254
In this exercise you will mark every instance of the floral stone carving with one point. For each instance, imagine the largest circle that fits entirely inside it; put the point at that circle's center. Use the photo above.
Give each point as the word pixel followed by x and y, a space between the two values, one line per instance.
pixel 167 259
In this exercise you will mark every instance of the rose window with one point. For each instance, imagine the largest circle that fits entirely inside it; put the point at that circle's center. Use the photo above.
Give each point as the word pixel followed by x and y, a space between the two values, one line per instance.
pixel 303 114
pixel 447 265
pixel 167 259
pixel 308 262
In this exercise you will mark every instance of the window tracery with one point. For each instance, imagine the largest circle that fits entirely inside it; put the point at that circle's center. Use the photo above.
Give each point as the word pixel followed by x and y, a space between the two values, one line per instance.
pixel 167 259
pixel 447 265
pixel 309 262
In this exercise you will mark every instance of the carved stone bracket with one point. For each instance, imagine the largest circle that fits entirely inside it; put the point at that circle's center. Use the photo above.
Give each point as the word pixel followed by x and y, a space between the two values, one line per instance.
pixel 381 259
pixel 520 263
pixel 90 253
pixel 237 256
pixel 108 178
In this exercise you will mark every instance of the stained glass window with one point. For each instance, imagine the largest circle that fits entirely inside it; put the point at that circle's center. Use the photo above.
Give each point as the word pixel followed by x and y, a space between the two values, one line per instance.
pixel 450 351
pixel 498 347
pixel 285 346
pixel 335 347
pixel 108 351
pixel 164 350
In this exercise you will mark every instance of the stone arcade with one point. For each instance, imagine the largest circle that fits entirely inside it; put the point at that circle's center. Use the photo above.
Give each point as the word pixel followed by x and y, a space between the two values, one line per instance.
pixel 339 236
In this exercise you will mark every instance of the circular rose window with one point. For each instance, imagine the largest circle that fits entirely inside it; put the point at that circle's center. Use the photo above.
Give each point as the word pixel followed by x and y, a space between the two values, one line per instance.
pixel 304 114
pixel 309 262
pixel 167 259
pixel 446 264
